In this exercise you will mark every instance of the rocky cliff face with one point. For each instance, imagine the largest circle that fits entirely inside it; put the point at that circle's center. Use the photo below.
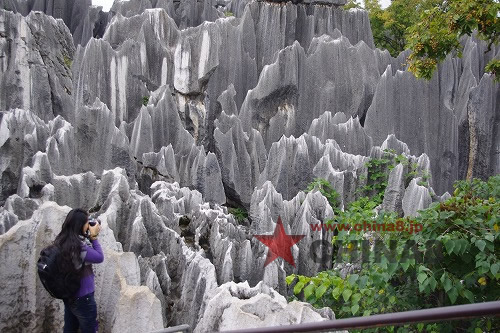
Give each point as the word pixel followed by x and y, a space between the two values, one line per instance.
pixel 170 118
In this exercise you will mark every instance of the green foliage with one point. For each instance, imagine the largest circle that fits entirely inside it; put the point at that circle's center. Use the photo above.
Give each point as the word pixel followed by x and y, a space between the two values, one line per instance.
pixel 465 227
pixel 493 67
pixel 67 61
pixel 326 190
pixel 239 214
pixel 414 172
pixel 378 170
pixel 389 25
pixel 431 29
pixel 352 4
pixel 228 13
pixel 440 26
pixel 378 174
pixel 377 178
pixel 145 100
pixel 359 211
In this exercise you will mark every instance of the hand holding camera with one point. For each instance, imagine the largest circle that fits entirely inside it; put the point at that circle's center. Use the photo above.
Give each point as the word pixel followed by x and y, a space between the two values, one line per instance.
pixel 94 227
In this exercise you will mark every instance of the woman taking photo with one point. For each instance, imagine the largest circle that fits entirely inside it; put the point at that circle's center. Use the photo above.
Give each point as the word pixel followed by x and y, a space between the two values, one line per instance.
pixel 80 249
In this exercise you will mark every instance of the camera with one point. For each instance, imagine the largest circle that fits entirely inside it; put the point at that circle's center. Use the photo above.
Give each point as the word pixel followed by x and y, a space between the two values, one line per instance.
pixel 93 221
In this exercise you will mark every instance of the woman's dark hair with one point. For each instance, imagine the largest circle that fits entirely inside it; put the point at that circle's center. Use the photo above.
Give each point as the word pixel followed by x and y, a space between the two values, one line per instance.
pixel 68 240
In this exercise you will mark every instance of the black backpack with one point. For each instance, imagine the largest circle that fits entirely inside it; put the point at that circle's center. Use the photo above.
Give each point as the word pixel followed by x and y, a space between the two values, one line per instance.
pixel 59 285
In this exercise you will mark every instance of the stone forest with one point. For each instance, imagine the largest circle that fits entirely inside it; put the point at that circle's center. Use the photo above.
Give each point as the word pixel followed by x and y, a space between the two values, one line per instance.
pixel 190 127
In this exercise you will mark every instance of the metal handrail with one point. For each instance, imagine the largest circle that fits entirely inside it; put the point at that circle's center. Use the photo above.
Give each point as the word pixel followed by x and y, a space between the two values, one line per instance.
pixel 398 318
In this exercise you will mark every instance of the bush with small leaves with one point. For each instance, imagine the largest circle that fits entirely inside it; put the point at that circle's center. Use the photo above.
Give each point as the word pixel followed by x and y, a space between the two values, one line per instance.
pixel 457 261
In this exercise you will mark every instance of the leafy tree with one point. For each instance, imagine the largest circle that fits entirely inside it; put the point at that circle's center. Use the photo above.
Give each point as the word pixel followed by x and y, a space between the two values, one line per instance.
pixel 440 26
pixel 432 29
pixel 389 25
pixel 352 4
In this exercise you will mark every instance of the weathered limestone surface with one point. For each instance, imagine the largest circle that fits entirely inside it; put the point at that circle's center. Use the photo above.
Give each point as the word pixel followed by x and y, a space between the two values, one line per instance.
pixel 159 125
pixel 22 134
pixel 140 228
pixel 448 113
pixel 297 215
pixel 35 65
pixel 61 148
pixel 437 133
pixel 227 244
pixel 7 220
pixel 483 118
pixel 348 133
pixel 83 20
pixel 154 270
pixel 293 163
pixel 192 58
pixel 187 13
pixel 293 84
pixel 181 114
pixel 290 164
pixel 94 130
pixel 416 197
pixel 238 306
pixel 395 187
pixel 279 25
pixel 241 156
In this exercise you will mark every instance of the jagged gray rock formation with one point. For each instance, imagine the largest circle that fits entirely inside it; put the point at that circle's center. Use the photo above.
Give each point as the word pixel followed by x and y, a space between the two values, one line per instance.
pixel 290 164
pixel 227 244
pixel 298 215
pixel 483 118
pixel 416 197
pixel 193 58
pixel 7 220
pixel 238 306
pixel 186 14
pixel 276 106
pixel 393 144
pixel 174 202
pixel 181 114
pixel 138 225
pixel 159 125
pixel 83 20
pixel 241 156
pixel 348 133
pixel 35 67
pixel 159 166
pixel 21 135
pixel 302 23
pixel 403 93
pixel 70 150
pixel 294 163
pixel 154 270
pixel 392 195
pixel 95 129
pixel 447 121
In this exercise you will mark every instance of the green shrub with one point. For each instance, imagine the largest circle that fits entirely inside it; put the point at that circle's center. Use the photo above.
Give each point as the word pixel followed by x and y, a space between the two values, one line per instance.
pixel 465 227
pixel 67 61
pixel 239 214
pixel 324 187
